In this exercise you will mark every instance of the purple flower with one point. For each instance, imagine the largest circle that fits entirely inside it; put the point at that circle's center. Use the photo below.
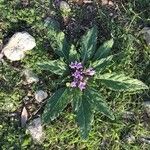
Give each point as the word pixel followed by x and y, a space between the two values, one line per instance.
pixel 82 85
pixel 76 65
pixel 80 75
pixel 79 66
pixel 73 84
pixel 77 74
pixel 90 72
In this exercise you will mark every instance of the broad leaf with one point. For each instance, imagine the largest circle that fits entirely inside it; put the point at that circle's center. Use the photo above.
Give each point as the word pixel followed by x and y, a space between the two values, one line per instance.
pixel 100 65
pixel 60 45
pixel 120 82
pixel 56 104
pixel 88 44
pixel 84 116
pixel 99 103
pixel 55 66
pixel 103 51
pixel 77 94
pixel 73 54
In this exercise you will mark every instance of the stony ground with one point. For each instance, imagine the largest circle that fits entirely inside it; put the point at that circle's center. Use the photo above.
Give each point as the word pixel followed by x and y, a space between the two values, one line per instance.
pixel 20 89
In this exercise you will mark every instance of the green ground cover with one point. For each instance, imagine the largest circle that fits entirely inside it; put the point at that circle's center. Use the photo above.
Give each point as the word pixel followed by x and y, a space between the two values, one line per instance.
pixel 123 22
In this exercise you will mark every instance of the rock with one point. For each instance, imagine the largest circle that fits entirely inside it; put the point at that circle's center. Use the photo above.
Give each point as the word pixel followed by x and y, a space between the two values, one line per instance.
pixel 107 2
pixel 147 107
pixel 30 76
pixel 1 56
pixel 129 138
pixel 24 117
pixel 26 98
pixel 35 130
pixel 146 33
pixel 18 44
pixel 40 95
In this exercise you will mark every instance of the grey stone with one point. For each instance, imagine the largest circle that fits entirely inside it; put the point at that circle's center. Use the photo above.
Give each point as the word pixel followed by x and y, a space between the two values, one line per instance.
pixel 35 129
pixel 40 95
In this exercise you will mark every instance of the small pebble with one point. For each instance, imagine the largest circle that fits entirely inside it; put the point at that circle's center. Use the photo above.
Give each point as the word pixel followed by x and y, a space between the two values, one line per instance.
pixel 40 95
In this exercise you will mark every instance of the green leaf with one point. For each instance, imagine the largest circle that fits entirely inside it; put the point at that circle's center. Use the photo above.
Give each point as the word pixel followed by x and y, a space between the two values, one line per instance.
pixel 99 103
pixel 75 99
pixel 120 82
pixel 84 116
pixel 60 45
pixel 103 50
pixel 73 54
pixel 88 44
pixel 100 65
pixel 56 104
pixel 55 66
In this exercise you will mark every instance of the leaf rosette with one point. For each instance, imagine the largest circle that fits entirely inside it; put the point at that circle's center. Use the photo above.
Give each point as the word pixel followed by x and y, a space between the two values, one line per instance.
pixel 80 69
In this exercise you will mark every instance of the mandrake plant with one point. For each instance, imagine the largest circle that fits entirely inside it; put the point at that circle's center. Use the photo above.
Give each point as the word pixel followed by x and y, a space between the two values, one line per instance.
pixel 81 70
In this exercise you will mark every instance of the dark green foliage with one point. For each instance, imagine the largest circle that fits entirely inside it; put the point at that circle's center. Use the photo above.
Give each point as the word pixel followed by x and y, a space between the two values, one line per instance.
pixel 84 115
pixel 88 44
pixel 55 66
pixel 104 50
pixel 56 104
pixel 85 102
pixel 99 103
pixel 120 82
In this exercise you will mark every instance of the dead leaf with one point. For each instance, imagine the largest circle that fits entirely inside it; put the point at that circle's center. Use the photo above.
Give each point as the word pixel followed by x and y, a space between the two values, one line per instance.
pixel 24 117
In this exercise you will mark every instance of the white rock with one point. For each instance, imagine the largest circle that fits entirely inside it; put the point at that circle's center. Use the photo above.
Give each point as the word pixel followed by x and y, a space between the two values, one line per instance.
pixel 35 130
pixel 30 76
pixel 146 33
pixel 40 95
pixel 18 44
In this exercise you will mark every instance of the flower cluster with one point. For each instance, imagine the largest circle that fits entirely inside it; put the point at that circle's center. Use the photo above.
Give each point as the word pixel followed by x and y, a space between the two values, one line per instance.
pixel 80 75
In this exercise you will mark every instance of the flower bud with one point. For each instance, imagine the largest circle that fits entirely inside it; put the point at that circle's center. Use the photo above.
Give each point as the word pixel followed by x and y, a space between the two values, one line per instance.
pixel 68 84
